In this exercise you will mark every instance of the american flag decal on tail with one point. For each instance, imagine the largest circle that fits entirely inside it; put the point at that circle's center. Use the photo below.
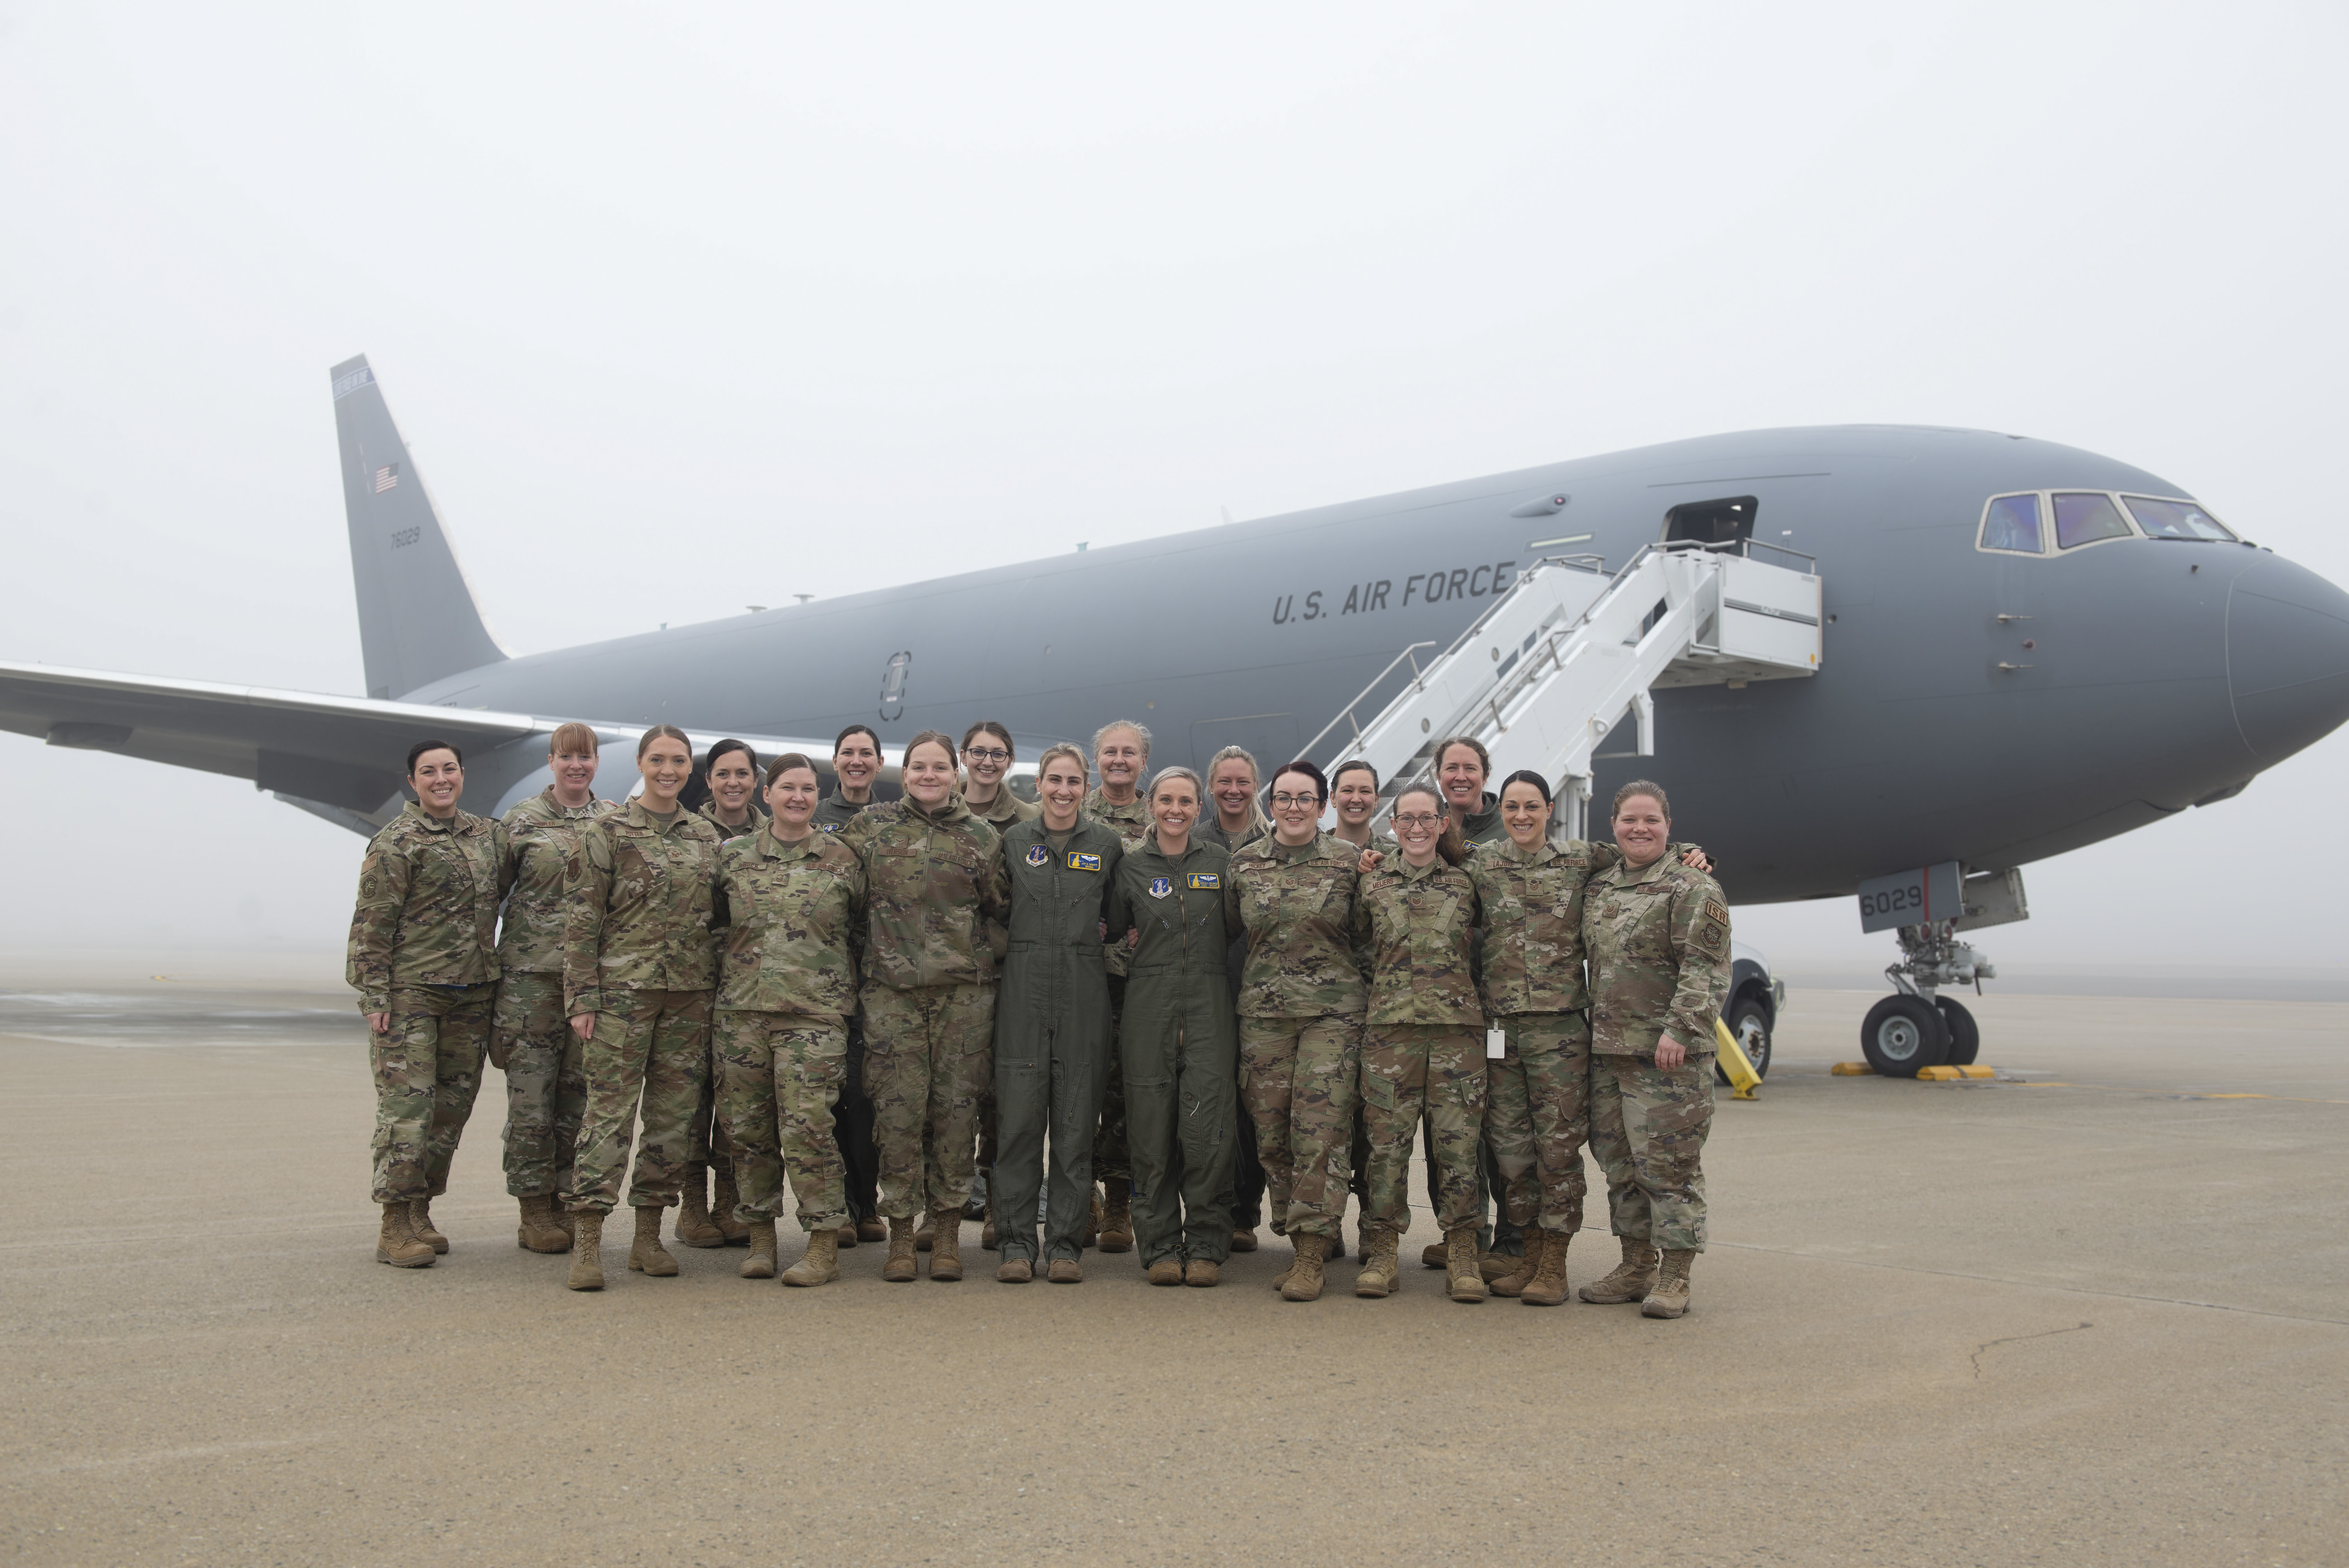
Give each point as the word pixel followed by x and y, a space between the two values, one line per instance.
pixel 387 478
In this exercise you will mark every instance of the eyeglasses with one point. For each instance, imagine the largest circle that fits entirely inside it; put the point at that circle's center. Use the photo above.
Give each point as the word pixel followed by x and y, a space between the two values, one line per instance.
pixel 986 754
pixel 1416 820
pixel 1287 801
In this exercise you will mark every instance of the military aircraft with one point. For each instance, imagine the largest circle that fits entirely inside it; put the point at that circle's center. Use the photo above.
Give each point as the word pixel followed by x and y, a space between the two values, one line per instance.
pixel 2021 648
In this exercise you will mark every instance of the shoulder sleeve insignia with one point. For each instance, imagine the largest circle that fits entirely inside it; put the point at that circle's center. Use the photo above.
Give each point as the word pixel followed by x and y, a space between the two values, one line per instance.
pixel 1715 913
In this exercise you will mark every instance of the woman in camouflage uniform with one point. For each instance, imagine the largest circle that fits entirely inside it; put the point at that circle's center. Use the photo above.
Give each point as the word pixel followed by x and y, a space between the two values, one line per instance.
pixel 638 962
pixel 791 902
pixel 1302 999
pixel 935 904
pixel 1176 1039
pixel 1423 1052
pixel 1658 936
pixel 730 768
pixel 424 960
pixel 531 1039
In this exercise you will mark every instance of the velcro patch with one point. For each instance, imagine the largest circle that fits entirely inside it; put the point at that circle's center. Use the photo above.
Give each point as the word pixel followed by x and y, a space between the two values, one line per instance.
pixel 1715 913
pixel 1197 879
pixel 1378 1089
pixel 1079 862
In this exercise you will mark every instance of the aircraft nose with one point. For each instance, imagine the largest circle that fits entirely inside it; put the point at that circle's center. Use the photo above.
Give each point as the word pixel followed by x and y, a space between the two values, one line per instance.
pixel 2287 656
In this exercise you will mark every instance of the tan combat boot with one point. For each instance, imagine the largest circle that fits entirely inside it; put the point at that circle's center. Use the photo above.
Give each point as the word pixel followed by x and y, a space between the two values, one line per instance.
pixel 871 1228
pixel 1436 1254
pixel 1010 1271
pixel 899 1267
pixel 820 1265
pixel 1166 1271
pixel 398 1243
pixel 693 1226
pixel 1632 1278
pixel 1243 1242
pixel 1669 1297
pixel 1380 1265
pixel 845 1236
pixel 1466 1281
pixel 420 1215
pixel 1066 1271
pixel 926 1233
pixel 1547 1287
pixel 1303 1280
pixel 760 1264
pixel 945 1245
pixel 721 1210
pixel 1204 1273
pixel 1117 1217
pixel 1514 1282
pixel 538 1232
pixel 586 1251
pixel 646 1253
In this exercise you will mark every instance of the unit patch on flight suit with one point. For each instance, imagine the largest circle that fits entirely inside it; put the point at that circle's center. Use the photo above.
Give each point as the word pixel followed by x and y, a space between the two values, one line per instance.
pixel 1080 862
pixel 1038 854
pixel 1160 887
pixel 1197 880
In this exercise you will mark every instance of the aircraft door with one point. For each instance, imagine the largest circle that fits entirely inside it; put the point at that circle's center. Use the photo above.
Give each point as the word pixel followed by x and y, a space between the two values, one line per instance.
pixel 1720 522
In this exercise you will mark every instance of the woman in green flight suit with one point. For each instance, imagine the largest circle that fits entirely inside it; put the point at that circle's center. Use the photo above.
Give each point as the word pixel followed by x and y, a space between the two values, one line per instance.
pixel 1176 1040
pixel 1051 1023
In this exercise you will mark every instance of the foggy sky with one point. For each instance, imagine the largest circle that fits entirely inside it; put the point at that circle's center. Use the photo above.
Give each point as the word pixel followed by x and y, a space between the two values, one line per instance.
pixel 684 311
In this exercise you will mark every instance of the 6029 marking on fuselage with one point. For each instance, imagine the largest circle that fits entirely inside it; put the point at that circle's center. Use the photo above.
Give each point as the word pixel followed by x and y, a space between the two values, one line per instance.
pixel 1430 587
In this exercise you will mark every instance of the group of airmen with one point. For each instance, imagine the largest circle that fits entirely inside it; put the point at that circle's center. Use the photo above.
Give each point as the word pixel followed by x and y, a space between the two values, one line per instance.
pixel 1194 1007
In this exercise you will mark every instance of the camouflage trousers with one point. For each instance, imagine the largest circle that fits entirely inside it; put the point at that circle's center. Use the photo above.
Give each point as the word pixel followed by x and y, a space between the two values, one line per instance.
pixel 1410 1070
pixel 648 1054
pixel 428 1069
pixel 546 1085
pixel 710 1145
pixel 780 1074
pixel 1537 1116
pixel 1647 1129
pixel 1297 1079
pixel 927 1061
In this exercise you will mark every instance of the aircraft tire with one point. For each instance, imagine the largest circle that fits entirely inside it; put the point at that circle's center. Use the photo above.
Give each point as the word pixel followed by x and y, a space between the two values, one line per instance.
pixel 1903 1034
pixel 1965 1036
pixel 1749 1023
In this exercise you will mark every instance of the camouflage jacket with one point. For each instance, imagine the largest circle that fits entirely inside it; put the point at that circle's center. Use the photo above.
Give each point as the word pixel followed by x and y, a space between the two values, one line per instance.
pixel 540 838
pixel 750 824
pixel 938 903
pixel 1416 926
pixel 794 914
pixel 1006 809
pixel 641 898
pixel 1658 939
pixel 833 813
pixel 1532 947
pixel 1128 821
pixel 428 906
pixel 1296 906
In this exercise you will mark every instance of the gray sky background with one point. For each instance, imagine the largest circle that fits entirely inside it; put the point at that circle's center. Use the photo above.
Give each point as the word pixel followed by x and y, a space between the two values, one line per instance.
pixel 684 310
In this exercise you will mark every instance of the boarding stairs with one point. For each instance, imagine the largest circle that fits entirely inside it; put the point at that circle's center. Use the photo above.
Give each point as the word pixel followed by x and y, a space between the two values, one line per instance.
pixel 1554 668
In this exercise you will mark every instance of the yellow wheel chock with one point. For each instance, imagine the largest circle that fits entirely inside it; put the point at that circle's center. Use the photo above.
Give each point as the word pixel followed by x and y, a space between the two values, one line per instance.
pixel 1742 1079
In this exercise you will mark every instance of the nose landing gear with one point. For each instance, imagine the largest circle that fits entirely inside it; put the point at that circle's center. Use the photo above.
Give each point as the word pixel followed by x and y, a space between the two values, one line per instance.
pixel 1917 1027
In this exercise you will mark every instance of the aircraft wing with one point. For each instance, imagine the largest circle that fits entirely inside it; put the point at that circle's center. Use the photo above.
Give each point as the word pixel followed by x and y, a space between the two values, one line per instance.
pixel 344 752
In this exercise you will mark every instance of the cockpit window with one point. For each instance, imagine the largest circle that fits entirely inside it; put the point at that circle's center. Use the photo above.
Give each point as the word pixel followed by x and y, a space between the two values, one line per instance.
pixel 2175 520
pixel 2013 523
pixel 2083 517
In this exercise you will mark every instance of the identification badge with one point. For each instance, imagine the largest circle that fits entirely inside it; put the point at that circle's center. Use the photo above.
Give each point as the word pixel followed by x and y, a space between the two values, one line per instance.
pixel 1160 887
pixel 1198 880
pixel 1038 855
pixel 1497 1043
pixel 1079 862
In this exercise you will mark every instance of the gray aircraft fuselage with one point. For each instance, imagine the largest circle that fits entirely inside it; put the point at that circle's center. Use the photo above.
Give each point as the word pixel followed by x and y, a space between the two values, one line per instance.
pixel 2131 679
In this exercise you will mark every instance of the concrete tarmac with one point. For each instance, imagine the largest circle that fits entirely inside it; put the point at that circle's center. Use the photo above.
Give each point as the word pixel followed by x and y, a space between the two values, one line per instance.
pixel 2096 1314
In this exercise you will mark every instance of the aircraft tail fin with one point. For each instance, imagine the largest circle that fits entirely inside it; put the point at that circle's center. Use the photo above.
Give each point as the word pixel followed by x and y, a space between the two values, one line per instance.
pixel 418 620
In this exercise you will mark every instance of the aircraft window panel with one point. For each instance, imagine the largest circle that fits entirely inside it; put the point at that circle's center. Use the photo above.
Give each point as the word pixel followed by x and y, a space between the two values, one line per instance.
pixel 2175 520
pixel 2011 523
pixel 2084 517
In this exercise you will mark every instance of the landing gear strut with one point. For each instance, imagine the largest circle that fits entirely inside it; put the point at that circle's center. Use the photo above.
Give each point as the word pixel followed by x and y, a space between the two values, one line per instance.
pixel 1917 1027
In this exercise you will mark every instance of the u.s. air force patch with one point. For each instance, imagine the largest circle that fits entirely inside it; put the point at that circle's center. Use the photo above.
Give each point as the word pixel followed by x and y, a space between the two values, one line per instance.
pixel 1080 862
pixel 1038 855
pixel 1161 887
pixel 1198 880
pixel 1711 934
